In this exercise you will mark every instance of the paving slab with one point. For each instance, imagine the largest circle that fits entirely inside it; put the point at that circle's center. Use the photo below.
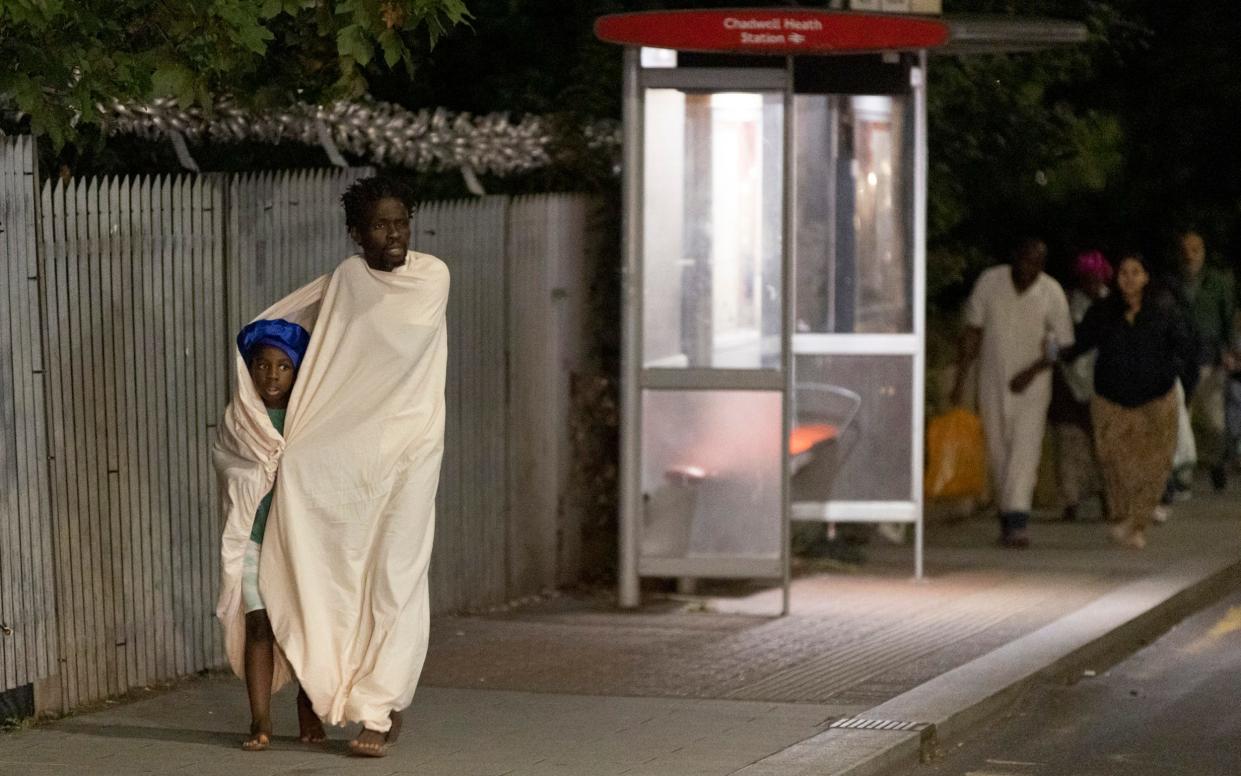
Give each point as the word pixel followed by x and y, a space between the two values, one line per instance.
pixel 713 684
pixel 857 638
pixel 197 729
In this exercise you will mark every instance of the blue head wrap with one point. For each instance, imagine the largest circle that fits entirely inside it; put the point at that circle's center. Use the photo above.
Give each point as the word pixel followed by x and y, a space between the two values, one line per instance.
pixel 278 333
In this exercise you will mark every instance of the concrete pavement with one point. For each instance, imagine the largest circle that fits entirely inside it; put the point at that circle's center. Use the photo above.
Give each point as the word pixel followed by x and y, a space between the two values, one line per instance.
pixel 194 729
pixel 715 684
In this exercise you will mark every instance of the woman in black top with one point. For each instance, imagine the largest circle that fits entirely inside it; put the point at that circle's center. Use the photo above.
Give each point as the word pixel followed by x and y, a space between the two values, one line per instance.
pixel 1143 345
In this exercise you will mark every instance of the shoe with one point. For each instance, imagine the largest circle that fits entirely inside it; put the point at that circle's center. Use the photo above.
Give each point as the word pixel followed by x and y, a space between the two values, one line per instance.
pixel 1161 514
pixel 1129 537
pixel 1015 540
pixel 1069 515
pixel 1219 477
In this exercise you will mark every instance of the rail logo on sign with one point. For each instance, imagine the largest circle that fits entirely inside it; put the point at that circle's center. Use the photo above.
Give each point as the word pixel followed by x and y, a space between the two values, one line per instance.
pixel 766 31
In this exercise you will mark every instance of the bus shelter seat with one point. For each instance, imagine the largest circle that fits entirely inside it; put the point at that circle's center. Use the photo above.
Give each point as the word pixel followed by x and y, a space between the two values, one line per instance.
pixel 822 415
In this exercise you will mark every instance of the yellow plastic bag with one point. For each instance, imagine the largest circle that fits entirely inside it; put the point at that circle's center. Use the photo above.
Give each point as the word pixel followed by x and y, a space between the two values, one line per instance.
pixel 956 459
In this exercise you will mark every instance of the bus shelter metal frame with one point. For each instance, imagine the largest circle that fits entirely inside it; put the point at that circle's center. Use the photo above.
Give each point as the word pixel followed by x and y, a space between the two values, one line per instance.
pixel 634 378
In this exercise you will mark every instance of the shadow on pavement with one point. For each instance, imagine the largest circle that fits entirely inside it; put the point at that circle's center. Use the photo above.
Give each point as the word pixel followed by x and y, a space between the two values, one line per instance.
pixel 227 740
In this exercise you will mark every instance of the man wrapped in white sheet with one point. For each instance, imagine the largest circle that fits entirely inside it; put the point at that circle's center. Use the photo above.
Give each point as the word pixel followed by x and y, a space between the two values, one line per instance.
pixel 343 569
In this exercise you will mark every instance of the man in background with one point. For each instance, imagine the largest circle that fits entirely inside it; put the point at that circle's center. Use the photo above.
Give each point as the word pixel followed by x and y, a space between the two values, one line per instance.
pixel 1015 315
pixel 1207 298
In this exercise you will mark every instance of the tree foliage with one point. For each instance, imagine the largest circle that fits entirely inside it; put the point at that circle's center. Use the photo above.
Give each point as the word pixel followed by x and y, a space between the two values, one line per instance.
pixel 61 58
pixel 1113 144
pixel 1027 143
pixel 1107 143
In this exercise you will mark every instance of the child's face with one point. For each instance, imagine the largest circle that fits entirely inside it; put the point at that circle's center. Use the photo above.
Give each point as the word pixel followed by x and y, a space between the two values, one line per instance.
pixel 273 373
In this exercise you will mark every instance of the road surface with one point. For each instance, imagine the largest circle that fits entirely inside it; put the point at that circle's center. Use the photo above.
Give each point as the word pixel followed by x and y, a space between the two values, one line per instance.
pixel 1172 709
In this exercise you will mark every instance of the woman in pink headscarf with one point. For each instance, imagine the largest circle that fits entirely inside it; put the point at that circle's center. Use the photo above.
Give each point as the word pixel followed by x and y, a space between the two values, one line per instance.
pixel 1077 470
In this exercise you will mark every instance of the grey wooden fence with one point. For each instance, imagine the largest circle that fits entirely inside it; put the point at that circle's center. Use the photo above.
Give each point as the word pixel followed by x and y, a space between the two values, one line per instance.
pixel 548 257
pixel 470 557
pixel 28 639
pixel 131 274
pixel 123 296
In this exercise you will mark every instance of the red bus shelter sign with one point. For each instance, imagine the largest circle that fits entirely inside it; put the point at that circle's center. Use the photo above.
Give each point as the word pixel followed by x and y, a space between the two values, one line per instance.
pixel 771 31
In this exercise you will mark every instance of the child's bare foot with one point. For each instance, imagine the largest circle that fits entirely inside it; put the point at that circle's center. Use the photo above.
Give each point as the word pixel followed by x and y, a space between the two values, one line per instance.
pixel 310 727
pixel 372 743
pixel 259 738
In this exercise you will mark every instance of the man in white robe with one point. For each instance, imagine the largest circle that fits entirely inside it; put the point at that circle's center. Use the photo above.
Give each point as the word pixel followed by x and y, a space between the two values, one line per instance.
pixel 1014 315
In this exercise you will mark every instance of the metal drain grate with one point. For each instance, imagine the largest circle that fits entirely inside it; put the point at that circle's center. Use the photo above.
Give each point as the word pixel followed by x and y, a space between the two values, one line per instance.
pixel 889 725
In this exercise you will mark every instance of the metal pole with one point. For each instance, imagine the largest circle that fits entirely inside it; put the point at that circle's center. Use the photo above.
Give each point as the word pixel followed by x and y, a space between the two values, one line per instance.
pixel 787 259
pixel 918 84
pixel 628 594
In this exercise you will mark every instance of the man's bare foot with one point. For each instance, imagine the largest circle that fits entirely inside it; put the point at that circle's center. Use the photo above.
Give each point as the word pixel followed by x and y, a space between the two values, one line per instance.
pixel 370 743
pixel 259 738
pixel 310 727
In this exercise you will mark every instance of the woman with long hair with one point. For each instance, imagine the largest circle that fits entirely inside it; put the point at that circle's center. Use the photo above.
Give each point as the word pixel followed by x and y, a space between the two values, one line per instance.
pixel 1143 344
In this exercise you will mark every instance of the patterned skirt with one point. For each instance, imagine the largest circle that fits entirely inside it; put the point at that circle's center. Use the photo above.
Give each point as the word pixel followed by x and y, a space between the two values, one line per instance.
pixel 1134 446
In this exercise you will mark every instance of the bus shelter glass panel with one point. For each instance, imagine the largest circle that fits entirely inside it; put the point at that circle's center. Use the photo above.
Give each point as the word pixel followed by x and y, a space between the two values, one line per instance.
pixel 711 481
pixel 862 404
pixel 712 229
pixel 854 214
pixel 855 345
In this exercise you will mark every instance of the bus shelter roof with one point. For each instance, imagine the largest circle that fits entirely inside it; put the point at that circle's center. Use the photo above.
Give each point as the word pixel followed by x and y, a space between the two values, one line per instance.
pixel 1004 34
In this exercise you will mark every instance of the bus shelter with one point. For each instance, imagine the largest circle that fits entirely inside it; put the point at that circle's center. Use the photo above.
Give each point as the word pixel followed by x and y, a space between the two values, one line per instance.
pixel 774 277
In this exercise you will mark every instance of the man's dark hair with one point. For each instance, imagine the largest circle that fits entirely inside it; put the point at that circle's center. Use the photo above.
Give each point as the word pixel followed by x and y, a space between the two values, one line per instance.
pixel 1026 243
pixel 360 197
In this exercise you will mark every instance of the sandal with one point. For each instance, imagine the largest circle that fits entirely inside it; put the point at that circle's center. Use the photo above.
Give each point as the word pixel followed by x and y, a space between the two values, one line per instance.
pixel 358 748
pixel 257 742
